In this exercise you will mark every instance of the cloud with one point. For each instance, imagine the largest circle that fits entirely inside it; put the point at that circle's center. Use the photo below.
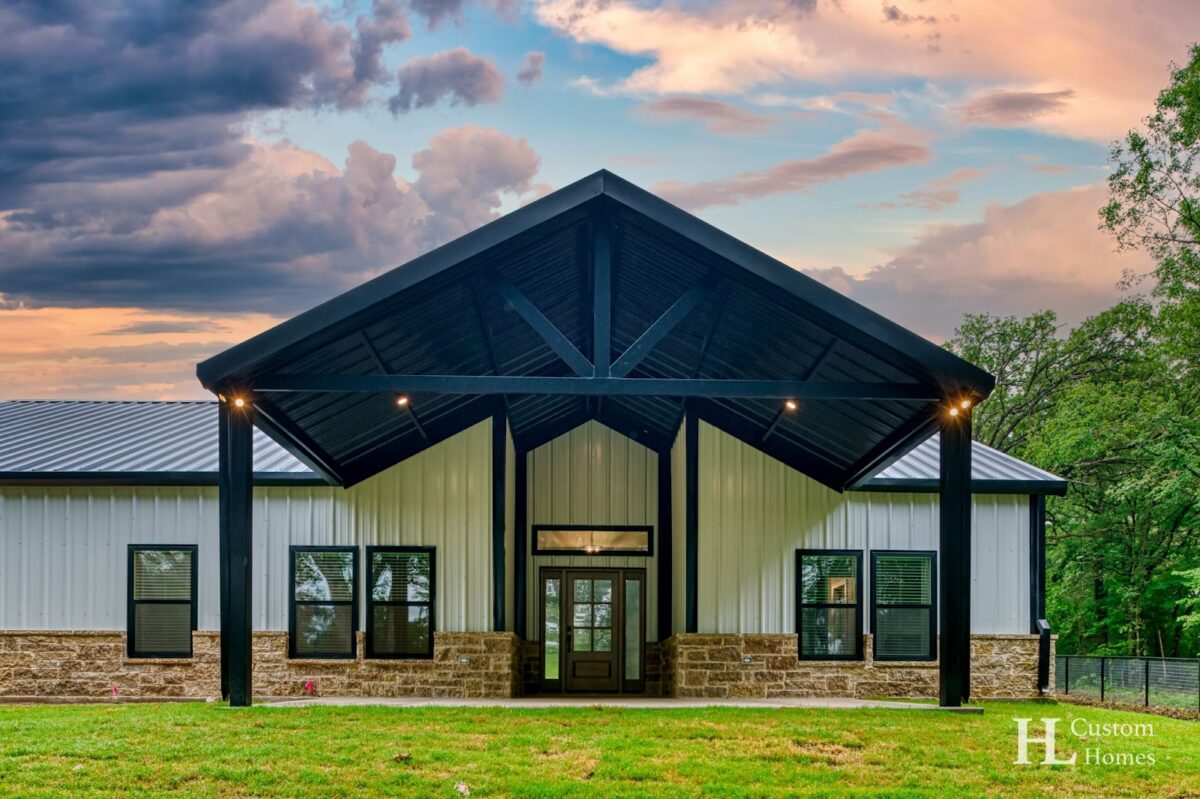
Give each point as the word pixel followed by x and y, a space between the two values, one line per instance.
pixel 1042 252
pixel 531 68
pixel 936 194
pixel 70 352
pixel 464 78
pixel 893 13
pixel 159 326
pixel 1111 53
pixel 869 151
pixel 463 173
pixel 1014 107
pixel 717 117
pixel 277 232
pixel 157 91
pixel 387 25
pixel 436 12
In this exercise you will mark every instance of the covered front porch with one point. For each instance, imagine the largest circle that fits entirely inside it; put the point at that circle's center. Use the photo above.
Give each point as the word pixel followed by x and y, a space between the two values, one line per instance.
pixel 604 309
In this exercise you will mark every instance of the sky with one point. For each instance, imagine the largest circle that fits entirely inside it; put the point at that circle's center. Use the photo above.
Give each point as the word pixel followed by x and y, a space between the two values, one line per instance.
pixel 176 177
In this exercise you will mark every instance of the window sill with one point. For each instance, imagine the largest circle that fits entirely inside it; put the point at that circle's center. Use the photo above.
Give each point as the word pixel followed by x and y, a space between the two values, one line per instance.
pixel 157 661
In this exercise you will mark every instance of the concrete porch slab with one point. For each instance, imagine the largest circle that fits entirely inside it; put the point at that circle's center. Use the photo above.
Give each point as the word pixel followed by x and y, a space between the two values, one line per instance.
pixel 628 702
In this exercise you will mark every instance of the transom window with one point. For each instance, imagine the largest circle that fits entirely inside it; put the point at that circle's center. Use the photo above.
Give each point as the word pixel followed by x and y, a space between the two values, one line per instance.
pixel 582 539
pixel 829 604
pixel 903 594
pixel 162 601
pixel 593 615
pixel 400 602
pixel 324 609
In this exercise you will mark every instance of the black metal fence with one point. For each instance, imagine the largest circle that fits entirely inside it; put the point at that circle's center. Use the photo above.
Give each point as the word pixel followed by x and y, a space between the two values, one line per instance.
pixel 1140 682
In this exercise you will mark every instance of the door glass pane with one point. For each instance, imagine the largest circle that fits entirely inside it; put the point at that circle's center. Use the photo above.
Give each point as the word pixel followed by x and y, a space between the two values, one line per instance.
pixel 602 590
pixel 551 635
pixel 603 616
pixel 602 640
pixel 583 640
pixel 583 590
pixel 633 629
pixel 583 615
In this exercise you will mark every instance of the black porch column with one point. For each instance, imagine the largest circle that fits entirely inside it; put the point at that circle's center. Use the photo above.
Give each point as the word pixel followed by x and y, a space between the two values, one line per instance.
pixel 954 667
pixel 236 496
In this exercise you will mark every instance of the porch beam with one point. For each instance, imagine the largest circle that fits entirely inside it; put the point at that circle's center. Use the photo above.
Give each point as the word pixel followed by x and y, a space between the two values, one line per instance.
pixel 236 453
pixel 954 659
pixel 594 386
pixel 602 291
pixel 662 326
pixel 553 337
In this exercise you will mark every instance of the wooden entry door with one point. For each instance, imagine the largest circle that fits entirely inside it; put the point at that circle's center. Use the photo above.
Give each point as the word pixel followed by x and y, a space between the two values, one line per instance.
pixel 593 632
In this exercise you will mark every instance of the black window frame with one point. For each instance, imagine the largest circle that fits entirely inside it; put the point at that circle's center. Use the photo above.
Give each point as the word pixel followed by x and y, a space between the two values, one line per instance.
pixel 932 555
pixel 857 554
pixel 132 603
pixel 371 603
pixel 648 529
pixel 293 550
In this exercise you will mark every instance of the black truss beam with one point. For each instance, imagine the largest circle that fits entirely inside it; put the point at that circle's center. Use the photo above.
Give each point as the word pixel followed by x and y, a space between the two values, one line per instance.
pixel 499 478
pixel 383 367
pixel 602 285
pixel 541 325
pixel 662 326
pixel 595 386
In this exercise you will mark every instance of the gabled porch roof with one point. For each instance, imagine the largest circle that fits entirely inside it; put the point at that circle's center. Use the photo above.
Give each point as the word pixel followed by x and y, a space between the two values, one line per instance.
pixel 598 301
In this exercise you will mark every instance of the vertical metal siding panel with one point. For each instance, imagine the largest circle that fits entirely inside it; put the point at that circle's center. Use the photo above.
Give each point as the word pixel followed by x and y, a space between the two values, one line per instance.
pixel 678 522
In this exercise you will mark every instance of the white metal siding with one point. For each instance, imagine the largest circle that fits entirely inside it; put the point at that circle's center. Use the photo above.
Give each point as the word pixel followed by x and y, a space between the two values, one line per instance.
pixel 63 551
pixel 679 533
pixel 593 475
pixel 755 512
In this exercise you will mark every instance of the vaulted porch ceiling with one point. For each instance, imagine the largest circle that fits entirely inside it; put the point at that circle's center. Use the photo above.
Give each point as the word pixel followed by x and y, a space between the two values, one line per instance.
pixel 599 301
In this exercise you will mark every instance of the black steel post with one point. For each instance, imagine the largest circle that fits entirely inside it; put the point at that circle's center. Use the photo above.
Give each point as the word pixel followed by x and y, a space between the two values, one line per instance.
pixel 236 538
pixel 520 542
pixel 954 667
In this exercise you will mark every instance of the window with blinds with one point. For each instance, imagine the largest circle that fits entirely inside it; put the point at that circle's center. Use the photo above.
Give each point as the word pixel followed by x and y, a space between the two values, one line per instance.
pixel 903 597
pixel 162 601
pixel 323 617
pixel 400 602
pixel 829 604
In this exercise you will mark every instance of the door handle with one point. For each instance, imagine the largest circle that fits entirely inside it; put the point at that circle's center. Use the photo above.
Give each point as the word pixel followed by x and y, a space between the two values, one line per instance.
pixel 570 639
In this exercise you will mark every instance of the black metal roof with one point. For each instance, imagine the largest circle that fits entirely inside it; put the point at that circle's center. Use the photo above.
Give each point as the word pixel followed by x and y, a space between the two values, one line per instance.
pixel 94 442
pixel 441 314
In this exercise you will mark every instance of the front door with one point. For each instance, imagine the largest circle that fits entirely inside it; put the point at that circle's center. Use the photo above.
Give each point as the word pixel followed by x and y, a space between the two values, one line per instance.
pixel 593 628
pixel 591 634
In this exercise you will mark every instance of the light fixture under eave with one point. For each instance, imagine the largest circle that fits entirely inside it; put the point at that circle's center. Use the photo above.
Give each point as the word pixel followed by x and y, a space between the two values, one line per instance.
pixel 238 402
pixel 402 400
pixel 791 405
pixel 591 549
pixel 965 404
pixel 954 411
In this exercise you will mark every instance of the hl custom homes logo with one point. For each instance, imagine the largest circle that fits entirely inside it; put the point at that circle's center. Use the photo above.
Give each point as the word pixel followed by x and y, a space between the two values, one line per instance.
pixel 1086 732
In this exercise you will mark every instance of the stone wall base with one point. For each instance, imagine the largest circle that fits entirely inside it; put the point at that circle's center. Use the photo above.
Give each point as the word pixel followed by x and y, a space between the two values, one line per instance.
pixel 738 666
pixel 93 665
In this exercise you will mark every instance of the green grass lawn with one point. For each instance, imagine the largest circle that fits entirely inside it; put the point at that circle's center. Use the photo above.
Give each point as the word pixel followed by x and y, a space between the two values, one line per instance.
pixel 208 750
